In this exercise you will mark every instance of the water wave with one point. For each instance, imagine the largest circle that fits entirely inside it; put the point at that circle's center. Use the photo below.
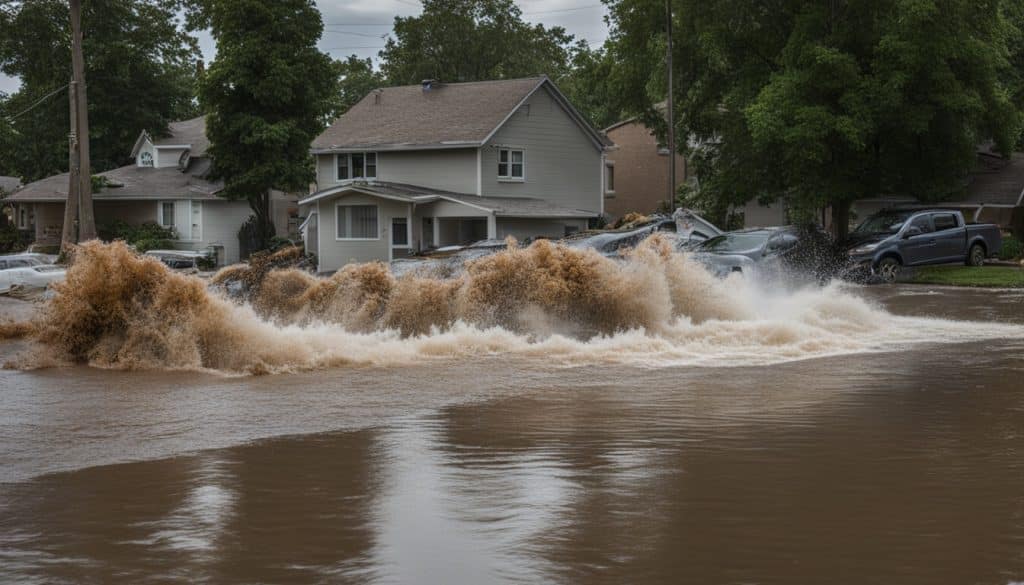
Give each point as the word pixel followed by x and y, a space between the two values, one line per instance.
pixel 560 305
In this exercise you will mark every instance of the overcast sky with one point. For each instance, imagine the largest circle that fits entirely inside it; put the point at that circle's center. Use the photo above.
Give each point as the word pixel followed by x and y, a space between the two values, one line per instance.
pixel 358 26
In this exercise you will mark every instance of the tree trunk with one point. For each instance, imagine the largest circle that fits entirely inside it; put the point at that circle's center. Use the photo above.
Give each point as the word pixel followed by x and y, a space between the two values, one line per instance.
pixel 841 219
pixel 260 205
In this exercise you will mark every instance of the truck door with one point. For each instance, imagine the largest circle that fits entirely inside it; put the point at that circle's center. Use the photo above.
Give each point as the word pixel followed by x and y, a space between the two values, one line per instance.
pixel 950 237
pixel 920 248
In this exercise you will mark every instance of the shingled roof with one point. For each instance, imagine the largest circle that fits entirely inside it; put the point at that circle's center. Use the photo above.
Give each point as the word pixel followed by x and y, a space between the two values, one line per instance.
pixel 9 184
pixel 187 132
pixel 996 180
pixel 443 115
pixel 130 183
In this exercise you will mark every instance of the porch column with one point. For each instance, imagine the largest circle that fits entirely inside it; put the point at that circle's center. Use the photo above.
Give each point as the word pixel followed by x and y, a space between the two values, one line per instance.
pixel 436 224
pixel 492 227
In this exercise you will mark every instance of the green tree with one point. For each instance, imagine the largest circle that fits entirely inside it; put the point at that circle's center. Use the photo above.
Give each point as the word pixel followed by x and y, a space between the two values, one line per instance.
pixel 822 103
pixel 266 95
pixel 139 67
pixel 589 87
pixel 356 78
pixel 472 40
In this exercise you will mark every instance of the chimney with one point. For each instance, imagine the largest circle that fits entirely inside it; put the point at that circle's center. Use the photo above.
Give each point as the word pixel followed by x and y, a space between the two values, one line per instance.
pixel 428 84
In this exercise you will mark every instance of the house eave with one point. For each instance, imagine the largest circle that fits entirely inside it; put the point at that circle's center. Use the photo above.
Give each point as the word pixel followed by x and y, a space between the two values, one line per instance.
pixel 394 147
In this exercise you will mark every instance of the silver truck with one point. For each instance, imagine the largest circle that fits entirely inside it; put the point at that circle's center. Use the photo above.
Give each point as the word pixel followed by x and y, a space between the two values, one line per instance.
pixel 891 239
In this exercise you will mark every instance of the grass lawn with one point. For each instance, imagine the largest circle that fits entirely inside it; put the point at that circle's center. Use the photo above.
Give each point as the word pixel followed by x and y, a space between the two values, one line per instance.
pixel 994 276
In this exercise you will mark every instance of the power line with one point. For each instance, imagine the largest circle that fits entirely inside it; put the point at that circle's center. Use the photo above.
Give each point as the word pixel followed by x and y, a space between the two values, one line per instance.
pixel 565 9
pixel 38 102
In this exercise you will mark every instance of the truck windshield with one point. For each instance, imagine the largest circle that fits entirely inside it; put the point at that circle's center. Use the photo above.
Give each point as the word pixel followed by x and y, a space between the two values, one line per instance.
pixel 886 222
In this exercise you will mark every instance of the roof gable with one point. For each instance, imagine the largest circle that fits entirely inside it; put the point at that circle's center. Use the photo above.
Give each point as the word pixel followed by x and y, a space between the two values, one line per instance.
pixel 445 116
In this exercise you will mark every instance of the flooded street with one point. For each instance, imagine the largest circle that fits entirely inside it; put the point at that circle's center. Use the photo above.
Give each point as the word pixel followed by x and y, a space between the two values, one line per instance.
pixel 898 463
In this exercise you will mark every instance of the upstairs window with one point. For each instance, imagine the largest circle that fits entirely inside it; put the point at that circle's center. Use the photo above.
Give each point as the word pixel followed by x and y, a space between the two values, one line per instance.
pixel 609 177
pixel 511 164
pixel 146 159
pixel 356 165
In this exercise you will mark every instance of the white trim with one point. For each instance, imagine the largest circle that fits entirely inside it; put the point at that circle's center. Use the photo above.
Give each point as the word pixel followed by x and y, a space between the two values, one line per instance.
pixel 492 227
pixel 337 239
pixel 435 226
pixel 510 178
pixel 396 147
pixel 355 188
pixel 171 146
pixel 454 200
pixel 319 239
pixel 191 214
pixel 479 172
pixel 160 213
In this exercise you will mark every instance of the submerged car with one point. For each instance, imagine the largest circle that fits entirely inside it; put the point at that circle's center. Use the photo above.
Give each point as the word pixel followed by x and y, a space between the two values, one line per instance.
pixel 30 277
pixel 25 259
pixel 891 239
pixel 181 259
pixel 772 252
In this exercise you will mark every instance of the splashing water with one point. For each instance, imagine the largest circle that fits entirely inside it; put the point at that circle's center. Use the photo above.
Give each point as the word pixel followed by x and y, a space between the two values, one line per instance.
pixel 564 305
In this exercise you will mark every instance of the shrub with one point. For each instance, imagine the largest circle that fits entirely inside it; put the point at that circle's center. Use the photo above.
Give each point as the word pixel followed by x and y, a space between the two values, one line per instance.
pixel 148 236
pixel 1011 248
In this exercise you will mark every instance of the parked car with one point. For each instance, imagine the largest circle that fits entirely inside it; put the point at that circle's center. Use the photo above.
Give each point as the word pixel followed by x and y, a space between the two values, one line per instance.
pixel 30 276
pixel 25 259
pixel 687 227
pixel 891 239
pixel 791 252
pixel 180 259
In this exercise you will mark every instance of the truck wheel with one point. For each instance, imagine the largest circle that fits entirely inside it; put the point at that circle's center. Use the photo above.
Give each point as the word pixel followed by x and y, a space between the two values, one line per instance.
pixel 976 255
pixel 888 268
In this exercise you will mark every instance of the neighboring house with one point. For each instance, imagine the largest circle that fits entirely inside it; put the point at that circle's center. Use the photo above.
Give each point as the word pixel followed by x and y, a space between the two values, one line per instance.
pixel 7 186
pixel 637 175
pixel 168 184
pixel 430 165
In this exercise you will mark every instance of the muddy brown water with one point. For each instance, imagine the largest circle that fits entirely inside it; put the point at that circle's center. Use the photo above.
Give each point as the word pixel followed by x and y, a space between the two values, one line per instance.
pixel 896 466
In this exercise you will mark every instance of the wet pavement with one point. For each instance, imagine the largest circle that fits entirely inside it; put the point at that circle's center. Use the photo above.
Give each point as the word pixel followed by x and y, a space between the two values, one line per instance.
pixel 902 466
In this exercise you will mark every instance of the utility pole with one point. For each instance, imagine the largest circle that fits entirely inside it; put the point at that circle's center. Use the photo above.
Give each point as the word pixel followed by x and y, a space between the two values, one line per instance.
pixel 86 219
pixel 69 234
pixel 670 106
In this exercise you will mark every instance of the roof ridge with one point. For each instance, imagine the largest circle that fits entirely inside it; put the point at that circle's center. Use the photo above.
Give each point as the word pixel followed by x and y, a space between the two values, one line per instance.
pixel 464 83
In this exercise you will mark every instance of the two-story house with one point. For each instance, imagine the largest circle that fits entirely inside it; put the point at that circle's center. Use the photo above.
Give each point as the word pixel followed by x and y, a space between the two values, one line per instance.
pixel 431 165
pixel 167 183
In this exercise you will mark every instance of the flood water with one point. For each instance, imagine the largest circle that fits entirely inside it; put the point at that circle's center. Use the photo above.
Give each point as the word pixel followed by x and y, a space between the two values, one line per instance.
pixel 900 465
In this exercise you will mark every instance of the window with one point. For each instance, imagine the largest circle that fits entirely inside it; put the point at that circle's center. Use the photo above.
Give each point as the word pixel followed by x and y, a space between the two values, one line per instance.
pixel 923 223
pixel 511 164
pixel 146 159
pixel 609 177
pixel 356 165
pixel 399 232
pixel 357 222
pixel 167 214
pixel 22 218
pixel 944 221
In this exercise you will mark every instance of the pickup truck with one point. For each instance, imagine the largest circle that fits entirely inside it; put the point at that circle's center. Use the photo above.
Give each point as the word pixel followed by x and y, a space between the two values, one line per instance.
pixel 891 239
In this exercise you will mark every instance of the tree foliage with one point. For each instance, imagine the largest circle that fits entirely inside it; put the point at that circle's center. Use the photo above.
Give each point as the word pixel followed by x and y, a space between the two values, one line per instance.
pixel 472 40
pixel 140 66
pixel 266 96
pixel 826 102
pixel 356 79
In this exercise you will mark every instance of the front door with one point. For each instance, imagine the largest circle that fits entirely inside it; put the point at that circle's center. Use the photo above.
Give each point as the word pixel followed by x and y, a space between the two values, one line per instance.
pixel 400 237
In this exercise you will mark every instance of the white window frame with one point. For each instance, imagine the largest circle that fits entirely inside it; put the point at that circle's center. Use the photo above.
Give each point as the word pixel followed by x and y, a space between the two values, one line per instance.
pixel 343 204
pixel 408 233
pixel 142 159
pixel 348 157
pixel 609 165
pixel 509 178
pixel 160 214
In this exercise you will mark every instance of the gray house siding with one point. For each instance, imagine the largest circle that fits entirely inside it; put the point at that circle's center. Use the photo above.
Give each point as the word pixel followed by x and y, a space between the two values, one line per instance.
pixel 522 228
pixel 447 169
pixel 334 254
pixel 221 221
pixel 563 165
